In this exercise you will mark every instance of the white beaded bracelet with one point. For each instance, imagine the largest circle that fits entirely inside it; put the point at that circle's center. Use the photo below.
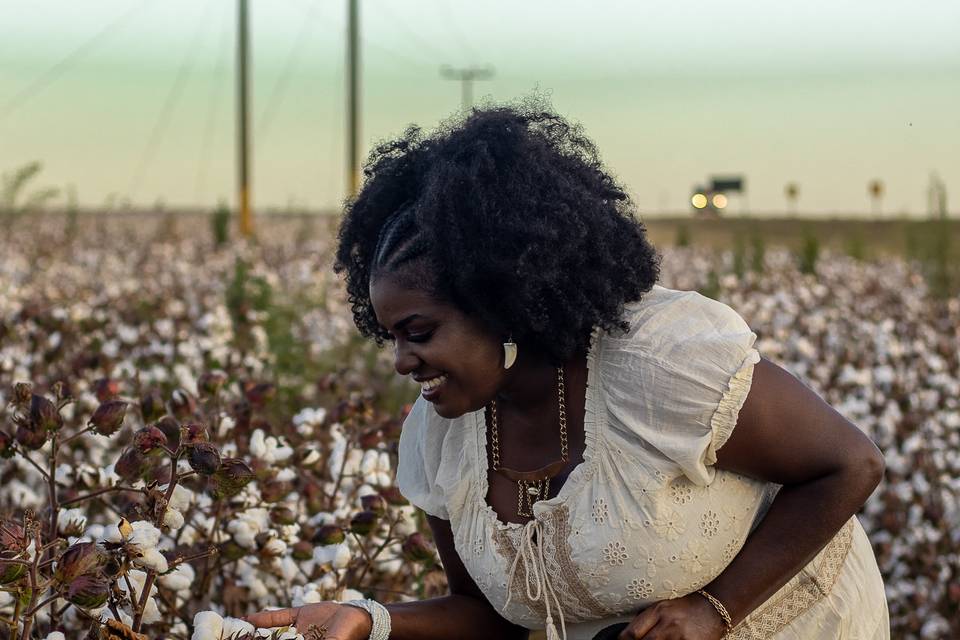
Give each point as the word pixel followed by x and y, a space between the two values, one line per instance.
pixel 379 615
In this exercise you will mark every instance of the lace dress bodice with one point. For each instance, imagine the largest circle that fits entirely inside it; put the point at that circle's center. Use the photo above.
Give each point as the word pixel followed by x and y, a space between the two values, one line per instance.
pixel 646 516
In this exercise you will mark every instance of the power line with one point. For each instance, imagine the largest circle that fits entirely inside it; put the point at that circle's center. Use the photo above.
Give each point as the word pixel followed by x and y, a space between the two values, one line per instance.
pixel 216 89
pixel 459 36
pixel 279 88
pixel 53 73
pixel 397 21
pixel 153 142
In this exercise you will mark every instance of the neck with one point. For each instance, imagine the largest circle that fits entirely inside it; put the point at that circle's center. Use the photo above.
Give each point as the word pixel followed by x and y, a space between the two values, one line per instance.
pixel 531 384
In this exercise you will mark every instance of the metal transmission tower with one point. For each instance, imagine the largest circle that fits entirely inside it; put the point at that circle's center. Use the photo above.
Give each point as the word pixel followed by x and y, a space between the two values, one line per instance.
pixel 466 76
pixel 243 118
pixel 353 97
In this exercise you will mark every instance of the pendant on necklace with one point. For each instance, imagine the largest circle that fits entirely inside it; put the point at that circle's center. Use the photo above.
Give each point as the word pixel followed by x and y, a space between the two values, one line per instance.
pixel 529 492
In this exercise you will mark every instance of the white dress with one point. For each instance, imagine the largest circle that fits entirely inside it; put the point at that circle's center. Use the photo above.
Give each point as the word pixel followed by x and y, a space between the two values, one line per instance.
pixel 646 516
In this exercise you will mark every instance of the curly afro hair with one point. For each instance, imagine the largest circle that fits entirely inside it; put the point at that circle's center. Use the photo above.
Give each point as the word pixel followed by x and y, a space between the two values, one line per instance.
pixel 507 213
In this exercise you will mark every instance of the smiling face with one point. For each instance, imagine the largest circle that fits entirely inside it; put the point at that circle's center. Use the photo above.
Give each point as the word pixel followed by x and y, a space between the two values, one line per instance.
pixel 458 362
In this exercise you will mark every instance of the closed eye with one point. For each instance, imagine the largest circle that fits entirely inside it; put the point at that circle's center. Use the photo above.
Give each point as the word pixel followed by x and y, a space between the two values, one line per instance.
pixel 420 337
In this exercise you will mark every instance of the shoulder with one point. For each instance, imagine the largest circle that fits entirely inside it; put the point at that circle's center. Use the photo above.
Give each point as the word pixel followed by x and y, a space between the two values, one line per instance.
pixel 678 376
pixel 668 327
pixel 668 313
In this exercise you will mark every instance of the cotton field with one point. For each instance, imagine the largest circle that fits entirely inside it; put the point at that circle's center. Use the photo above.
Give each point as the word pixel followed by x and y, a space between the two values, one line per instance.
pixel 211 433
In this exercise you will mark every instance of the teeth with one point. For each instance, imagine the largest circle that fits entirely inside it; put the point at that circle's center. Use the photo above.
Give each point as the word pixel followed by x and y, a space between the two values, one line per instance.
pixel 432 383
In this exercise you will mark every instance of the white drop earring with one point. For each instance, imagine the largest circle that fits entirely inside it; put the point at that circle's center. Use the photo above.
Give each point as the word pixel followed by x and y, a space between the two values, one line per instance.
pixel 509 353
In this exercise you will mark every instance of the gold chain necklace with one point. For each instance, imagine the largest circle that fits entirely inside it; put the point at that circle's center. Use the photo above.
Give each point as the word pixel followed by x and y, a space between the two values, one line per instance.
pixel 531 485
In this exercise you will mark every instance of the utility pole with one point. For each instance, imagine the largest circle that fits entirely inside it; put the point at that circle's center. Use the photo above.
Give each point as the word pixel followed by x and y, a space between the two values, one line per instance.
pixel 353 97
pixel 466 76
pixel 243 118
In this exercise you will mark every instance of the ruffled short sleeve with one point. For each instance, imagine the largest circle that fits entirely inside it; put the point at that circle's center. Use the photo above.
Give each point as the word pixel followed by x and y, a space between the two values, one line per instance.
pixel 420 456
pixel 678 378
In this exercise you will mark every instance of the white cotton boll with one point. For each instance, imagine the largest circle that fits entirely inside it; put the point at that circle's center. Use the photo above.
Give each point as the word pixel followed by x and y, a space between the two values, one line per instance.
pixel 281 453
pixel 392 567
pixel 328 582
pixel 352 465
pixel 243 535
pixel 366 490
pixel 207 625
pixel 336 460
pixel 64 473
pixel 321 518
pixel 144 534
pixel 408 524
pixel 180 579
pixel 258 444
pixel 71 519
pixel 275 547
pixel 55 635
pixel 172 519
pixel 384 479
pixel 227 424
pixel 350 594
pixel 125 618
pixel 237 626
pixel 111 533
pixel 312 457
pixel 152 559
pixel 368 464
pixel 151 613
pixel 286 474
pixel 341 557
pixel 383 462
pixel 290 634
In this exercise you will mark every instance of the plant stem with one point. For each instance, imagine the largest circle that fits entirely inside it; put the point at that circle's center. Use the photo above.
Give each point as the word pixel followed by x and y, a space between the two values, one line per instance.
pixel 98 492
pixel 151 573
pixel 76 435
pixel 54 514
pixel 35 465
pixel 28 620
pixel 42 605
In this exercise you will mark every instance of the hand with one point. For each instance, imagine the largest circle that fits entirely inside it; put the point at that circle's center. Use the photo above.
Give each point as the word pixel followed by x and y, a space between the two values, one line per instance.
pixel 691 617
pixel 342 621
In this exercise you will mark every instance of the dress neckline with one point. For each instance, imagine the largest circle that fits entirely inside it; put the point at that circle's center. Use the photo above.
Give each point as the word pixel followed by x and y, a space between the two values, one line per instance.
pixel 592 430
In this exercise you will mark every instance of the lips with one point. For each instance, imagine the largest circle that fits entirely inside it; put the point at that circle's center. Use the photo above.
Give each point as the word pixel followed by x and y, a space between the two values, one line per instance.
pixel 431 386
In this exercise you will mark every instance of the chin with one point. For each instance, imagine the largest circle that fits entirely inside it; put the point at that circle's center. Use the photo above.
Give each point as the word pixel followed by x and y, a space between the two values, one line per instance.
pixel 448 412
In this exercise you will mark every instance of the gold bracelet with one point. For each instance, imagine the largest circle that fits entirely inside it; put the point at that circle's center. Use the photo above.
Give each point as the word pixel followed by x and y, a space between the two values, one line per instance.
pixel 722 610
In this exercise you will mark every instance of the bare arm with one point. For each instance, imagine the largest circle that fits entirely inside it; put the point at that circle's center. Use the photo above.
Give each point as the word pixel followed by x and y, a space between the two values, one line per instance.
pixel 465 613
pixel 787 434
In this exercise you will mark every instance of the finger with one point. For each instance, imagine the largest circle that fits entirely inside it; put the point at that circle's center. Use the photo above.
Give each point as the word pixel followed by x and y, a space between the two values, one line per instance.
pixel 274 618
pixel 640 625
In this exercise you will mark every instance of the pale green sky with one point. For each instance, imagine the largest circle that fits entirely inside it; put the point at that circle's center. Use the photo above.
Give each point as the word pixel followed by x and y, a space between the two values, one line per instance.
pixel 827 94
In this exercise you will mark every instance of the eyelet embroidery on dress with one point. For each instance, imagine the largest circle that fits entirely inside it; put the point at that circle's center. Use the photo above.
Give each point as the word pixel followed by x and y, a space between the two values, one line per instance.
pixel 709 524
pixel 640 589
pixel 681 491
pixel 653 558
pixel 731 549
pixel 600 511
pixel 615 553
pixel 670 525
pixel 694 557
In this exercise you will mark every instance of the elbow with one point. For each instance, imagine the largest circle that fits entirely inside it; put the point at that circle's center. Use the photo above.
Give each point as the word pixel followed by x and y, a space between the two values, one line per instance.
pixel 868 467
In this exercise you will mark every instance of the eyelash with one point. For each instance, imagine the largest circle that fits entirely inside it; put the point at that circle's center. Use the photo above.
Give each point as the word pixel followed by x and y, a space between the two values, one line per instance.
pixel 414 337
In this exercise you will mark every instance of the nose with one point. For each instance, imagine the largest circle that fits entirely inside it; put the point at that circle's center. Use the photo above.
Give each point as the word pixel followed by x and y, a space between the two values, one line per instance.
pixel 404 360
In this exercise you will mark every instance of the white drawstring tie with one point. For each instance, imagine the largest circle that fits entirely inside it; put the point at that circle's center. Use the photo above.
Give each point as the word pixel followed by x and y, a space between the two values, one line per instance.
pixel 531 551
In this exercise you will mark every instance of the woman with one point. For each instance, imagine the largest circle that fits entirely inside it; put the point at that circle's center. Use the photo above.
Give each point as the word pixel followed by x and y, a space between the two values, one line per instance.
pixel 589 447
